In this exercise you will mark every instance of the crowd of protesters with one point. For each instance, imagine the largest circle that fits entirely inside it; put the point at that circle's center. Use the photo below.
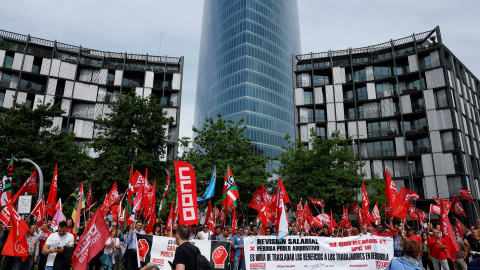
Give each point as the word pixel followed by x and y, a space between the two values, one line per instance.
pixel 414 247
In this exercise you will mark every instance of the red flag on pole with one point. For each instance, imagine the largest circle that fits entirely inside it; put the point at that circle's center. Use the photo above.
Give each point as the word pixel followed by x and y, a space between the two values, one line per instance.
pixel 317 202
pixel 406 195
pixel 355 210
pixel 283 192
pixel 376 213
pixel 29 186
pixel 422 215
pixel 395 205
pixel 450 239
pixel 52 195
pixel 92 241
pixel 346 222
pixel 16 244
pixel 186 193
pixel 460 227
pixel 256 202
pixel 466 194
pixel 88 197
pixel 5 216
pixel 365 204
pixel 457 207
pixel 234 221
pixel 269 200
pixel 171 217
pixel 435 209
pixel 39 212
pixel 209 219
pixel 300 212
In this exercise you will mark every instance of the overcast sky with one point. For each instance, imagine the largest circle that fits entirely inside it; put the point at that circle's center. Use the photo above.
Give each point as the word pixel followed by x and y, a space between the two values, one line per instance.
pixel 136 26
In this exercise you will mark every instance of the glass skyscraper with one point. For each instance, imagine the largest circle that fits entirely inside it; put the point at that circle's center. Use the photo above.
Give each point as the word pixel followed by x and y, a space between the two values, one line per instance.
pixel 245 67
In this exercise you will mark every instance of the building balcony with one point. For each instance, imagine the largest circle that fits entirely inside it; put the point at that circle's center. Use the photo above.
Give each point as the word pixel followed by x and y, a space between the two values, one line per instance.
pixel 419 150
pixel 415 131
pixel 411 90
pixel 381 153
pixel 382 133
pixel 381 76
pixel 306 119
pixel 305 83
pixel 417 108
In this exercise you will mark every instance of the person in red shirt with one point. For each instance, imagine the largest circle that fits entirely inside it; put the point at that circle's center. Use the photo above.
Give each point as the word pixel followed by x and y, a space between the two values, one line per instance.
pixel 44 234
pixel 437 251
pixel 411 236
pixel 70 229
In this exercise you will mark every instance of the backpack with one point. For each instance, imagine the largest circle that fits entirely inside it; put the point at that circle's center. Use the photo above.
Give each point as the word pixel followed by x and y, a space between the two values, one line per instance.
pixel 202 262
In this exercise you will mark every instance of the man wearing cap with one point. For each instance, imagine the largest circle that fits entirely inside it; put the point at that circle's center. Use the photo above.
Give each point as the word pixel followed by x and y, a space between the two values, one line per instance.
pixel 411 236
pixel 397 243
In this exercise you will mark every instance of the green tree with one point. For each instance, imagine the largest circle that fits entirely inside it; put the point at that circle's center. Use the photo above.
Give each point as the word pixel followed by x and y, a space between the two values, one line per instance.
pixel 27 133
pixel 220 143
pixel 134 131
pixel 328 170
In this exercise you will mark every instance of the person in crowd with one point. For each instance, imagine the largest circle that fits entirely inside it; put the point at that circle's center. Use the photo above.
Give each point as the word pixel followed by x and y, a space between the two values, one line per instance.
pixel 238 260
pixel 56 242
pixel 246 231
pixel 312 232
pixel 355 231
pixel 295 231
pixel 436 251
pixel 121 250
pixel 255 230
pixel 473 241
pixel 325 232
pixel 70 229
pixel 185 255
pixel 112 245
pixel 268 231
pixel 347 232
pixel 157 229
pixel 150 266
pixel 364 229
pixel 380 231
pixel 370 230
pixel 193 232
pixel 33 245
pixel 411 236
pixel 200 227
pixel 131 243
pixel 411 259
pixel 49 222
pixel 225 236
pixel 44 234
pixel 397 243
pixel 218 232
pixel 426 261
pixel 205 233
pixel 461 255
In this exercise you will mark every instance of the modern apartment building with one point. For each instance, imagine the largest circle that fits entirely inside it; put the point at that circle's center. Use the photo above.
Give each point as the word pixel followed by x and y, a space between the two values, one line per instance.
pixel 245 68
pixel 409 106
pixel 85 81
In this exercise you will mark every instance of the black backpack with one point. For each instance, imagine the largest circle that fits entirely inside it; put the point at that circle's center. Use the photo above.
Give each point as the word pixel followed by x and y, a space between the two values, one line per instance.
pixel 202 262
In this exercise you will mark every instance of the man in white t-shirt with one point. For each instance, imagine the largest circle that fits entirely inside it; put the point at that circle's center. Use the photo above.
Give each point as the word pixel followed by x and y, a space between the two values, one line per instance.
pixel 55 243
pixel 205 233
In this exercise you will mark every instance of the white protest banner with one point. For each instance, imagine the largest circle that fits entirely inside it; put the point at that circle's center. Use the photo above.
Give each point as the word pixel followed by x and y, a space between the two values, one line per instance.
pixel 160 250
pixel 354 252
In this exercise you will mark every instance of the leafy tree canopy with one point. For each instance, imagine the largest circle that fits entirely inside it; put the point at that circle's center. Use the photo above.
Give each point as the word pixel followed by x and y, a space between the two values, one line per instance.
pixel 222 142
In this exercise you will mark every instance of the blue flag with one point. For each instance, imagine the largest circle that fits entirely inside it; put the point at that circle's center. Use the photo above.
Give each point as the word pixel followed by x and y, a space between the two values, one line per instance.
pixel 211 187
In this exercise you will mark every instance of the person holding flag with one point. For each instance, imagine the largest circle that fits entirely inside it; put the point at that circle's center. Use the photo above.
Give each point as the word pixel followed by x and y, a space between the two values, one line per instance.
pixel 33 246
pixel 239 259
pixel 436 251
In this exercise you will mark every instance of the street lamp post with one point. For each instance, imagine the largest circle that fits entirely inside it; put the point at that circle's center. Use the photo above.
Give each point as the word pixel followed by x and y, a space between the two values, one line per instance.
pixel 40 176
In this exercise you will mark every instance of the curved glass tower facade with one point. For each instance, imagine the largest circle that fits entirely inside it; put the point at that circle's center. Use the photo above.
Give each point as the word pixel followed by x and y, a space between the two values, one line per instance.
pixel 245 67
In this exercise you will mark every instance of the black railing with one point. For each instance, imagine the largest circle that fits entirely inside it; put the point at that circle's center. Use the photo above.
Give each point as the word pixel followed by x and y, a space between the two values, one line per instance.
pixel 419 150
pixel 382 133
pixel 418 108
pixel 379 76
pixel 381 153
pixel 410 90
pixel 415 130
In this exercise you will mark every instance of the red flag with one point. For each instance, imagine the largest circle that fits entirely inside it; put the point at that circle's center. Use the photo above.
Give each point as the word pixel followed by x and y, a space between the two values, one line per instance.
pixel 29 186
pixel 209 218
pixel 186 193
pixel 171 217
pixel 130 187
pixel 52 195
pixel 307 213
pixel 92 241
pixel 446 202
pixel 450 239
pixel 268 200
pixel 217 213
pixel 435 209
pixel 406 195
pixel 318 221
pixel 412 212
pixel 256 202
pixel 466 194
pixel 113 198
pixel 121 214
pixel 422 215
pixel 332 223
pixel 317 202
pixel 5 216
pixel 300 212
pixel 460 227
pixel 16 244
pixel 137 181
pixel 138 201
pixel 457 207
pixel 395 205
pixel 355 210
pixel 151 211
pixel 365 204
pixel 346 222
pixel 265 215
pixel 283 191
pixel 39 212
pixel 376 213
pixel 223 217
pixel 89 197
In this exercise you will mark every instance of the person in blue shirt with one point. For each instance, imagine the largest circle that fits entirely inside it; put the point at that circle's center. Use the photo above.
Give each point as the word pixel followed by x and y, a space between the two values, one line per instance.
pixel 239 258
pixel 131 243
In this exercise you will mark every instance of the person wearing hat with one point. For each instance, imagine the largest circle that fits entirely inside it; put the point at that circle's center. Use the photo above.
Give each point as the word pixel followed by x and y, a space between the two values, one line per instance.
pixel 397 243
pixel 411 236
